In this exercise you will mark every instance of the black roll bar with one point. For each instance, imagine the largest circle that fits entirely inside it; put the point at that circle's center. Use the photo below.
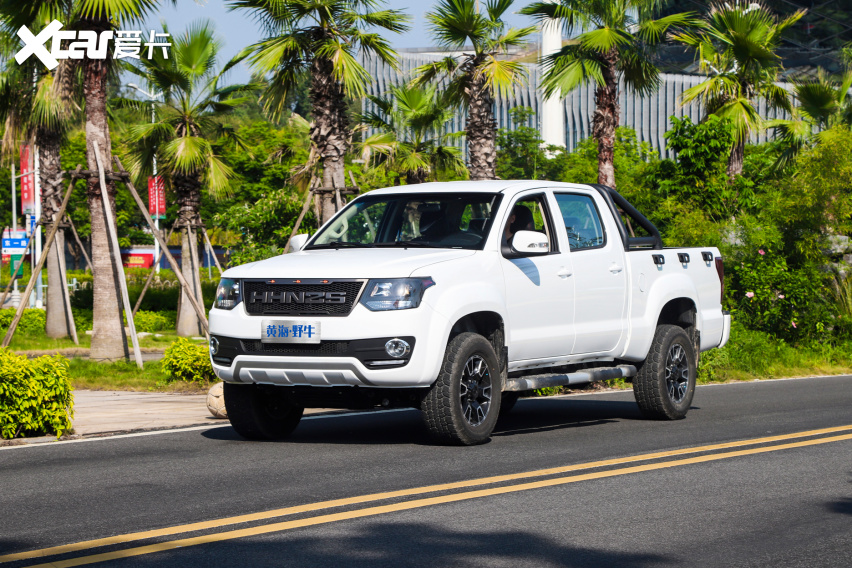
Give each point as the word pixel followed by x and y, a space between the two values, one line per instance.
pixel 613 199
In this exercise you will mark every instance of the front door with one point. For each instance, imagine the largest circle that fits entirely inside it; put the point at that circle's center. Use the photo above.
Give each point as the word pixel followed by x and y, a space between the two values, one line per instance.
pixel 539 289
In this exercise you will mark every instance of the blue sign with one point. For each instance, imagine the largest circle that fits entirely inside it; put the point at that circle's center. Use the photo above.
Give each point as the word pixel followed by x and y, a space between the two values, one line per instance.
pixel 15 246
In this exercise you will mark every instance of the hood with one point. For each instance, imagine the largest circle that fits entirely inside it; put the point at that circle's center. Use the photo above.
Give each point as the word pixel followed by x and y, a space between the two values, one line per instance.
pixel 347 263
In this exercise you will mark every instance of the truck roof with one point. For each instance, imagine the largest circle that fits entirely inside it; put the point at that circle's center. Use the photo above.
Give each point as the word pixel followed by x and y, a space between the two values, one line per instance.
pixel 482 186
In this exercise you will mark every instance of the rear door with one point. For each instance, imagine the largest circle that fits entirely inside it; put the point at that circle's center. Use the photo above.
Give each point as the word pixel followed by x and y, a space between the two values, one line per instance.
pixel 539 289
pixel 600 271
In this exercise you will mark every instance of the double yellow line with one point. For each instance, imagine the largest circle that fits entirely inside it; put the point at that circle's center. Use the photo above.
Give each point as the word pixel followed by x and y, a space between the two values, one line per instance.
pixel 416 503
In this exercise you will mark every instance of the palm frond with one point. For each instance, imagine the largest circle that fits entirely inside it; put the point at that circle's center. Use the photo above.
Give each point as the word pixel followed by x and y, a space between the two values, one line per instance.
pixel 569 68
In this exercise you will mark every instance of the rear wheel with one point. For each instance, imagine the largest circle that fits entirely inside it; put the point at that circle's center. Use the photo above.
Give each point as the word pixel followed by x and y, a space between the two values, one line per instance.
pixel 665 384
pixel 260 413
pixel 463 404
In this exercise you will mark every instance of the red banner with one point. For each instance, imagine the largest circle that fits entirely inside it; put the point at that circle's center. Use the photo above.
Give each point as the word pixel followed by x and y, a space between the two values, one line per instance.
pixel 27 182
pixel 157 197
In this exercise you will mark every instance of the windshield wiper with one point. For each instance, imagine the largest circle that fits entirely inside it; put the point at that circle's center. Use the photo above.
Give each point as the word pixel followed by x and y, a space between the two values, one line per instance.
pixel 342 244
pixel 407 244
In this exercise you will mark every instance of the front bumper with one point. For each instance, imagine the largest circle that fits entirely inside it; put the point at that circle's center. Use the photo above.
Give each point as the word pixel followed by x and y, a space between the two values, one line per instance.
pixel 344 358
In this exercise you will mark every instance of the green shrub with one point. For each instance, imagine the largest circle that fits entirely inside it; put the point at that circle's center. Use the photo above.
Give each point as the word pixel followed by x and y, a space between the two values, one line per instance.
pixel 35 395
pixel 157 298
pixel 33 320
pixel 189 362
pixel 82 318
pixel 151 321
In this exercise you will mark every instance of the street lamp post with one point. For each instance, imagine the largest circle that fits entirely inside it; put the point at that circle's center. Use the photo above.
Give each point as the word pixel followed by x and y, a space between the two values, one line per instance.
pixel 152 97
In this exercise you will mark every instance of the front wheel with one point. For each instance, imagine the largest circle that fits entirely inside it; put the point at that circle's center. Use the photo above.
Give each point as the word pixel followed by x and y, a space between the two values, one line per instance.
pixel 260 413
pixel 463 404
pixel 665 384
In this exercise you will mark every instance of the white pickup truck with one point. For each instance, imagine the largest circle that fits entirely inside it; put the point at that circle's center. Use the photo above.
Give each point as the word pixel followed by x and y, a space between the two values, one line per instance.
pixel 455 297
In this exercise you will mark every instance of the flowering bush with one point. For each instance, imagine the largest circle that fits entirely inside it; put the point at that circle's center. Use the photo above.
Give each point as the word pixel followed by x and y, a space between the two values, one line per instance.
pixel 773 298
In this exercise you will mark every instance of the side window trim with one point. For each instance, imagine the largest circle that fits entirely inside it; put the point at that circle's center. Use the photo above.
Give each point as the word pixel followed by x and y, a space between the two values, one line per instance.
pixel 547 218
pixel 597 212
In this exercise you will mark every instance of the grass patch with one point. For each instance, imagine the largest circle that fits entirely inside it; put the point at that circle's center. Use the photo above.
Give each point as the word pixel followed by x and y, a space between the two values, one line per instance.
pixel 31 341
pixel 125 375
pixel 753 355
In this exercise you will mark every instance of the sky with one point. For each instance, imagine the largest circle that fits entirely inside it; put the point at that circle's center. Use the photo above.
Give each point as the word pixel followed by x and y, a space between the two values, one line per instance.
pixel 237 29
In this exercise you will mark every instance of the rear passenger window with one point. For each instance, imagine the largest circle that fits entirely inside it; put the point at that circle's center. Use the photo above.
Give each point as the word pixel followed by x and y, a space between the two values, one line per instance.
pixel 582 221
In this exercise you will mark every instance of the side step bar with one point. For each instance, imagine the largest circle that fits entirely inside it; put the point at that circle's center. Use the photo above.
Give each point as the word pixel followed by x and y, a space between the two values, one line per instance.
pixel 532 382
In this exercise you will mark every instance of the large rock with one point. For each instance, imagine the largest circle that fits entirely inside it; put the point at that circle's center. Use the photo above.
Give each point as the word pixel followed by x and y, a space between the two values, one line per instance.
pixel 216 401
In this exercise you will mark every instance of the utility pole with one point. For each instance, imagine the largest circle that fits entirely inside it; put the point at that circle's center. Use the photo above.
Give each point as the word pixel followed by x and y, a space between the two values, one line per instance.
pixel 39 295
pixel 152 97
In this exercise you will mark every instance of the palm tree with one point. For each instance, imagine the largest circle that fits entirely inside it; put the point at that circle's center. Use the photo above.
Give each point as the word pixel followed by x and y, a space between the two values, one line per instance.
pixel 823 103
pixel 185 135
pixel 736 47
pixel 478 72
pixel 616 42
pixel 109 341
pixel 37 106
pixel 411 140
pixel 322 38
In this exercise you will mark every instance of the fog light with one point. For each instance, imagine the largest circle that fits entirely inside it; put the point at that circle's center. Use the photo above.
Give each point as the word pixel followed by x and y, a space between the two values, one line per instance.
pixel 214 345
pixel 397 348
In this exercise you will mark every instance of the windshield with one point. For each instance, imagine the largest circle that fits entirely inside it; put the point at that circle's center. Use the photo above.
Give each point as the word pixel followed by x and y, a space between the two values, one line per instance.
pixel 435 220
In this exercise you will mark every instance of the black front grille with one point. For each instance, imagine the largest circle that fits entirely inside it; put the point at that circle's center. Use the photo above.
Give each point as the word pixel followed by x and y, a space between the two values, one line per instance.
pixel 296 349
pixel 262 298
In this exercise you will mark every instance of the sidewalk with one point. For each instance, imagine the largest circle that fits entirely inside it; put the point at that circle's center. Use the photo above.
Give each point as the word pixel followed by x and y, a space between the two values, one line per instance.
pixel 104 412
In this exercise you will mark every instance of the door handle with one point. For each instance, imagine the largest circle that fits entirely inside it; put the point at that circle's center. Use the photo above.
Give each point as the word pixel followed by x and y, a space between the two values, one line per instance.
pixel 564 273
pixel 615 268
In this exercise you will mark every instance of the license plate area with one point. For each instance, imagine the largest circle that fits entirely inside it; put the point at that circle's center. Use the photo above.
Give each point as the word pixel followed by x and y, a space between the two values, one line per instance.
pixel 289 331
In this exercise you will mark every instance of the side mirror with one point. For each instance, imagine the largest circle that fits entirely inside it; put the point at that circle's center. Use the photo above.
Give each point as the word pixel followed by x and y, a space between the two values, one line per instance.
pixel 530 243
pixel 297 243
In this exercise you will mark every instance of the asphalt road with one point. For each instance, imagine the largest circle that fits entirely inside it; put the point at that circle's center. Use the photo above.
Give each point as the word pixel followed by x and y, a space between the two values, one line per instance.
pixel 758 474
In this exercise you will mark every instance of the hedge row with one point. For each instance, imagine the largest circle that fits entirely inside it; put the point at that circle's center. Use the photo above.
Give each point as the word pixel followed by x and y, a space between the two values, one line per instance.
pixel 35 395
pixel 32 320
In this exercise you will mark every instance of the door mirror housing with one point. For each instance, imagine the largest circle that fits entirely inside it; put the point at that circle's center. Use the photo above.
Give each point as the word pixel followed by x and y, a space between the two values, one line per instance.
pixel 297 243
pixel 530 243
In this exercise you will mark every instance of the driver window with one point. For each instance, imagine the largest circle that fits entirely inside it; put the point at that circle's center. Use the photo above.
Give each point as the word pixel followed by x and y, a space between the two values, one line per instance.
pixel 529 214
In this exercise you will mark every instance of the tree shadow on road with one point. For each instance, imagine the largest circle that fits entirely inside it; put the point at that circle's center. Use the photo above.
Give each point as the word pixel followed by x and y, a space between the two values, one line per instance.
pixel 841 506
pixel 392 544
pixel 9 546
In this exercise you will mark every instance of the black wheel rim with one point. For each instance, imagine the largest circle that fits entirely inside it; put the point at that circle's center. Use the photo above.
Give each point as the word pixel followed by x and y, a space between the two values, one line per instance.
pixel 677 373
pixel 475 392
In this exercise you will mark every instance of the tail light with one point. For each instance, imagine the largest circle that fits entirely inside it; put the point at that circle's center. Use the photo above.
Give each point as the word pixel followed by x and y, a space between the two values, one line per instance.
pixel 720 270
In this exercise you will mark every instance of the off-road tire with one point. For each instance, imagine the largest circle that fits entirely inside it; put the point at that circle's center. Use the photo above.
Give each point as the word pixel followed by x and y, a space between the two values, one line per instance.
pixel 660 397
pixel 259 413
pixel 443 407
pixel 508 400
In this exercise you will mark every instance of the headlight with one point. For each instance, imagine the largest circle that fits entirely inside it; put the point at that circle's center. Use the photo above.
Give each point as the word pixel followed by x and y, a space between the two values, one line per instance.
pixel 228 294
pixel 395 293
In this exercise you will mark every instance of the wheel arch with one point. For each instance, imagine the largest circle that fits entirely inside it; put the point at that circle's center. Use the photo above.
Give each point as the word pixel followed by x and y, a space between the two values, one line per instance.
pixel 683 313
pixel 490 325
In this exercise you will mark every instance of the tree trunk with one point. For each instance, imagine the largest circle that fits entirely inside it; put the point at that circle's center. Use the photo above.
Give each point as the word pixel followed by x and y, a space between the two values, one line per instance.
pixel 329 130
pixel 417 176
pixel 605 121
pixel 188 189
pixel 109 341
pixel 48 142
pixel 481 131
pixel 76 254
pixel 735 160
